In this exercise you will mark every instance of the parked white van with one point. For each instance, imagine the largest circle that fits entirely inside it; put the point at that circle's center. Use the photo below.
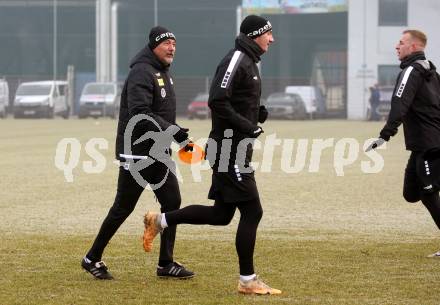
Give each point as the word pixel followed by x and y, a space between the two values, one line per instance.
pixel 100 100
pixel 314 101
pixel 41 99
pixel 4 97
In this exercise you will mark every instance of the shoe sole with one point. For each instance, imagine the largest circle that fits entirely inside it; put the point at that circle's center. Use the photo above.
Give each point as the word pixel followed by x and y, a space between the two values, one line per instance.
pixel 257 293
pixel 165 277
pixel 261 292
pixel 97 278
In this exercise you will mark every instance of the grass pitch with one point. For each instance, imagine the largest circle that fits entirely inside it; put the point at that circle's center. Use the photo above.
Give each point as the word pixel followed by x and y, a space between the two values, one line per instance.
pixel 323 239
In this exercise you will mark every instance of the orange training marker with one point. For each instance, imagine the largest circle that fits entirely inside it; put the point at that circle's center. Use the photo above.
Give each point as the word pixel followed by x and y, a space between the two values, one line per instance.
pixel 191 157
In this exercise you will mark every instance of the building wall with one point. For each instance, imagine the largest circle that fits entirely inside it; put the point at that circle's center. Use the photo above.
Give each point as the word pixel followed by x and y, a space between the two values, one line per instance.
pixel 371 45
pixel 205 30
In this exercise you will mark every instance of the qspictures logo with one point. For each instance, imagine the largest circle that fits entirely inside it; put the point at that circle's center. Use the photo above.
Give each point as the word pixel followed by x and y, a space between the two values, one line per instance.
pixel 292 156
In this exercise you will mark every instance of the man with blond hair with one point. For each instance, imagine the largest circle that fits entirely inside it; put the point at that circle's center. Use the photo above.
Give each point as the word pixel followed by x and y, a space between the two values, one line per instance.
pixel 416 105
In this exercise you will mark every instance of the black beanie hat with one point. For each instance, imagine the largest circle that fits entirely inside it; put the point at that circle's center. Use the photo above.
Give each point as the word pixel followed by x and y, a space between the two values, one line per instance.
pixel 157 35
pixel 254 26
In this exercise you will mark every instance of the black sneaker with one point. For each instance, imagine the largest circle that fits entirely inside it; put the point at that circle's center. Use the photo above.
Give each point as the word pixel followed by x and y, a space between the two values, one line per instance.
pixel 97 269
pixel 174 270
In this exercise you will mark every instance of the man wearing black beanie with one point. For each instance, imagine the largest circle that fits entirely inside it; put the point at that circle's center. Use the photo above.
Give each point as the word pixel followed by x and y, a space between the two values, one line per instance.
pixel 149 93
pixel 234 99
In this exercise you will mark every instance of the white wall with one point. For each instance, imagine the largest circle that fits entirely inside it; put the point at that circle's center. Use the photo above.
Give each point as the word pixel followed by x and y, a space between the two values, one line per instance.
pixel 426 17
pixel 370 45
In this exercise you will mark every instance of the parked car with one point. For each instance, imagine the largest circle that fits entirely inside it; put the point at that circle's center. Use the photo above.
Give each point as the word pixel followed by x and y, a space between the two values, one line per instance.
pixel 100 100
pixel 285 106
pixel 41 99
pixel 386 94
pixel 4 97
pixel 312 97
pixel 198 108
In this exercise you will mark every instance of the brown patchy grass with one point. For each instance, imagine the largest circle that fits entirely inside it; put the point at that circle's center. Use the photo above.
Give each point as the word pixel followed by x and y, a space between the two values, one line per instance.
pixel 323 239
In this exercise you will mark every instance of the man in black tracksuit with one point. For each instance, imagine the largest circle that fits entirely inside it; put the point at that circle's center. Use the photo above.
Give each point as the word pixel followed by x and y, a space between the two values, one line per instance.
pixel 416 104
pixel 234 100
pixel 148 110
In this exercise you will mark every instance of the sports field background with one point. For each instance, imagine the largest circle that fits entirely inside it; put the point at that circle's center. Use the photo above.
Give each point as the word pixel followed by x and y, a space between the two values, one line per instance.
pixel 323 239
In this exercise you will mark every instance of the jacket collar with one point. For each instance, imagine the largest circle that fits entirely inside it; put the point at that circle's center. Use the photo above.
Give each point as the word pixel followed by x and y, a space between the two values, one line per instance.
pixel 408 60
pixel 146 55
pixel 248 46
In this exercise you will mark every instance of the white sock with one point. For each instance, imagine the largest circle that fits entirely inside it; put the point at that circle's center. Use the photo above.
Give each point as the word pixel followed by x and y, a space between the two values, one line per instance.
pixel 245 278
pixel 163 221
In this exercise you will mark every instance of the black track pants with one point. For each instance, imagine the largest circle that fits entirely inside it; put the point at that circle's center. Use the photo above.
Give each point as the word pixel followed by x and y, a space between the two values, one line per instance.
pixel 220 214
pixel 412 190
pixel 432 203
pixel 127 195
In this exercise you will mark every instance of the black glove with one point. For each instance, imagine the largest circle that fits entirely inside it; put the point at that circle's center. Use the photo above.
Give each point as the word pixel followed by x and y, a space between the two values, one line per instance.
pixel 256 132
pixel 189 147
pixel 386 136
pixel 181 135
pixel 262 114
pixel 387 133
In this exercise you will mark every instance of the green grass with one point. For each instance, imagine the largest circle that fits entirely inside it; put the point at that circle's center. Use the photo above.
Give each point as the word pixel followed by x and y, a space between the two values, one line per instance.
pixel 323 239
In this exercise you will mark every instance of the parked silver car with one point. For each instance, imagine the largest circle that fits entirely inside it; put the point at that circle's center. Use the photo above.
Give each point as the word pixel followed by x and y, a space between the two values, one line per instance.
pixel 285 106
pixel 100 100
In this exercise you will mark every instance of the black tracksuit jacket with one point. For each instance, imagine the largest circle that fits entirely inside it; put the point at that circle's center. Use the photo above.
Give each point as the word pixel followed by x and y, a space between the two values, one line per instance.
pixel 416 104
pixel 234 98
pixel 148 90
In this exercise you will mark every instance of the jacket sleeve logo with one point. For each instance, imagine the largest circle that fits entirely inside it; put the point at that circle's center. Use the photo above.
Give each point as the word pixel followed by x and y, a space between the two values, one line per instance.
pixel 231 68
pixel 226 79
